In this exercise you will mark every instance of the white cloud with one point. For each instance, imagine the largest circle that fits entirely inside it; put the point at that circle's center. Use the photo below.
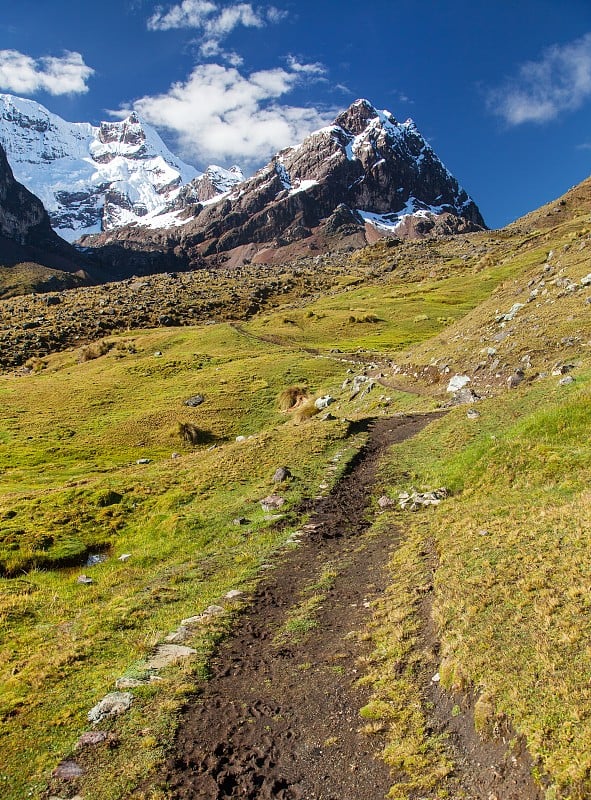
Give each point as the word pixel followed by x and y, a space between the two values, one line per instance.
pixel 22 74
pixel 220 114
pixel 559 82
pixel 214 21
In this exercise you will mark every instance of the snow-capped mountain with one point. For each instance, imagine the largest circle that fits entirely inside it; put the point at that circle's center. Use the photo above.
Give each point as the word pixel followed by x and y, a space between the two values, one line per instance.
pixel 361 178
pixel 92 178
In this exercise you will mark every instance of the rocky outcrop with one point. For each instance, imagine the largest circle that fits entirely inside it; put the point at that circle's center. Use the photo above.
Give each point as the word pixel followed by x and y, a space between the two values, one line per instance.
pixel 362 178
pixel 25 231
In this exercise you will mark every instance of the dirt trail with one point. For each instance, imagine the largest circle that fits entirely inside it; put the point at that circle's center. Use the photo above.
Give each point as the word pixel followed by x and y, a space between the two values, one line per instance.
pixel 280 716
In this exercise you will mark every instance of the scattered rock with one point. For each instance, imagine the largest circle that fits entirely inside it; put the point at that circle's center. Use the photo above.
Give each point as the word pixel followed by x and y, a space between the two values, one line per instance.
pixel 272 502
pixel 413 500
pixel 514 380
pixel 241 521
pixel 510 315
pixel 143 461
pixel 95 558
pixel 84 579
pixel 562 369
pixel 464 396
pixel 566 380
pixel 194 401
pixel 323 402
pixel 472 414
pixel 111 705
pixel 68 771
pixel 385 502
pixel 166 654
pixel 586 281
pixel 233 594
pixel 241 438
pixel 91 739
pixel 281 474
pixel 457 382
pixel 124 557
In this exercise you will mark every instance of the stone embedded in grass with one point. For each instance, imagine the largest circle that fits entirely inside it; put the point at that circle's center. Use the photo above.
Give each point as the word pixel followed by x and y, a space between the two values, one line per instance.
pixel 385 502
pixel 472 414
pixel 91 739
pixel 566 380
pixel 233 594
pixel 95 558
pixel 457 382
pixel 111 705
pixel 517 378
pixel 143 461
pixel 281 474
pixel 68 771
pixel 181 634
pixel 464 396
pixel 413 500
pixel 510 315
pixel 272 502
pixel 240 521
pixel 586 281
pixel 194 401
pixel 324 402
pixel 84 579
pixel 124 557
pixel 166 654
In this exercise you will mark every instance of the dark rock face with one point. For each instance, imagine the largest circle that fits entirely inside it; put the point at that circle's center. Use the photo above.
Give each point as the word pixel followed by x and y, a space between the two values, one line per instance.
pixel 25 231
pixel 363 177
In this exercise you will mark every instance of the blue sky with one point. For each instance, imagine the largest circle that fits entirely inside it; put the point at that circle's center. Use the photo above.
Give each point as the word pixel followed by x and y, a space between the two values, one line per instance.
pixel 500 88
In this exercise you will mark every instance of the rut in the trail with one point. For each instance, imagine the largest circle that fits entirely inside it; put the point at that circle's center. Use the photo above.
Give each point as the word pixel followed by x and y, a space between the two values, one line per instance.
pixel 279 717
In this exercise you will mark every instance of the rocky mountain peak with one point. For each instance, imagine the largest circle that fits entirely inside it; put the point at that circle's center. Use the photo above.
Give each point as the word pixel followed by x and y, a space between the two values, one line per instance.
pixel 362 178
pixel 129 131
pixel 354 120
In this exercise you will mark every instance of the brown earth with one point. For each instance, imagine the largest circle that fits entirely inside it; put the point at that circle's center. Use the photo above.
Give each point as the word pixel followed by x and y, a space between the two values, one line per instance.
pixel 279 717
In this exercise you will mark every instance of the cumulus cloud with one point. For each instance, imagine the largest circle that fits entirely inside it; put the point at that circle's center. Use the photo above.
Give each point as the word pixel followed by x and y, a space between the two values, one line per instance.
pixel 213 21
pixel 558 82
pixel 22 74
pixel 220 114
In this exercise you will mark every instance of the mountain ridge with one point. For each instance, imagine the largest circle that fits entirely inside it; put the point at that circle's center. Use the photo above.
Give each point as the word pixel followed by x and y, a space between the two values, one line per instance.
pixel 364 177
pixel 93 178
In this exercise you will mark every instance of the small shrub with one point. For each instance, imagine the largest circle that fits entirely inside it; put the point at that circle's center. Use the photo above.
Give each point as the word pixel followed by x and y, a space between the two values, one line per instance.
pixel 92 351
pixel 292 397
pixel 306 410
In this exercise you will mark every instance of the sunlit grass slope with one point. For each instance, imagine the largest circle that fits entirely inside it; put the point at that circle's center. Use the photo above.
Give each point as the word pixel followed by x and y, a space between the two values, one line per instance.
pixel 70 439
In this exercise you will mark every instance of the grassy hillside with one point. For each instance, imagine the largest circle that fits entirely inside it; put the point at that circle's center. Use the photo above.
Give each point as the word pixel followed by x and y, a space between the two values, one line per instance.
pixel 501 565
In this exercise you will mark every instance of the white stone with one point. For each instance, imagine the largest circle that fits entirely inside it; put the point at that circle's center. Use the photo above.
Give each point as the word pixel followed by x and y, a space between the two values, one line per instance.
pixel 457 382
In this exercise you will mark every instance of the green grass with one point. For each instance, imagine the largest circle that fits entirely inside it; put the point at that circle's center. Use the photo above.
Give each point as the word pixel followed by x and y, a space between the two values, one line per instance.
pixel 511 579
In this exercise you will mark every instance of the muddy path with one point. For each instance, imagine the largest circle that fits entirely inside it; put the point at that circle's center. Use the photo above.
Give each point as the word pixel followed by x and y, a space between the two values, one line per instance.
pixel 279 717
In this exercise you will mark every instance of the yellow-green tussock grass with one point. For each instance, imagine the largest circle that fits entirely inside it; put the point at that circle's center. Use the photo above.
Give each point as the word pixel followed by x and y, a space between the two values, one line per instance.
pixel 512 579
